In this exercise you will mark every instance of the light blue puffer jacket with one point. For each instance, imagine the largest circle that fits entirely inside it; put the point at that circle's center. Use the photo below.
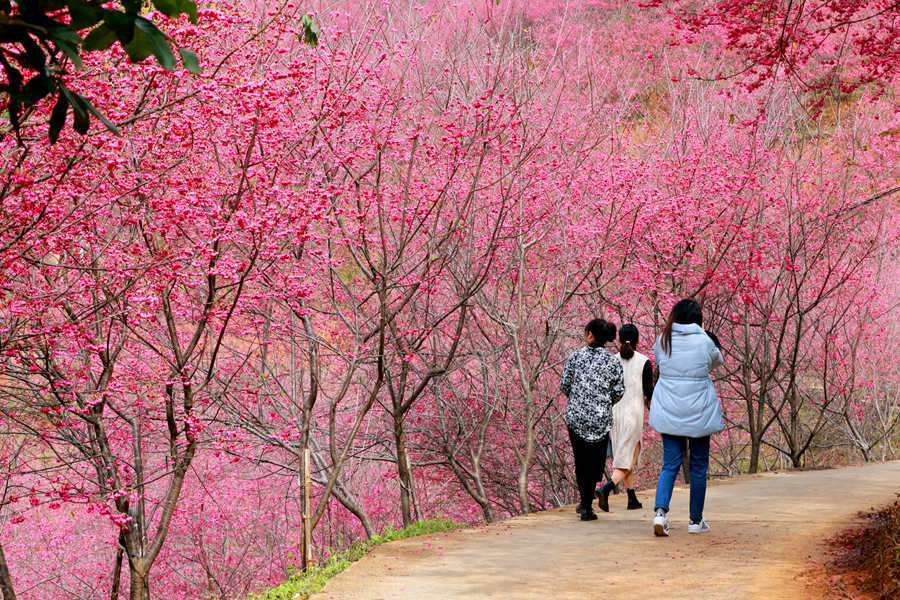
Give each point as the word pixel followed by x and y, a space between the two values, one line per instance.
pixel 684 399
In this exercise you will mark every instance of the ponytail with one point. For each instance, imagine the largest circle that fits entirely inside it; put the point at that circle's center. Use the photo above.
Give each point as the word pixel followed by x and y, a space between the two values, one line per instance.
pixel 628 339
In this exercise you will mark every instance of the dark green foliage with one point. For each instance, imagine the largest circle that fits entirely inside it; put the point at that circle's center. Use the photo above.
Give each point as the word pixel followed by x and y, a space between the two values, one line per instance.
pixel 310 31
pixel 39 39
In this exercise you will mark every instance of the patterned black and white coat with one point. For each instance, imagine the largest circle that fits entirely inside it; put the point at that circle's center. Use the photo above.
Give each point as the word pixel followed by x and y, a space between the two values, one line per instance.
pixel 593 381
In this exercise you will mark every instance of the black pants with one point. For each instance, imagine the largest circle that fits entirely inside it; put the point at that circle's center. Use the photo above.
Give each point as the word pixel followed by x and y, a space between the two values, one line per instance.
pixel 590 458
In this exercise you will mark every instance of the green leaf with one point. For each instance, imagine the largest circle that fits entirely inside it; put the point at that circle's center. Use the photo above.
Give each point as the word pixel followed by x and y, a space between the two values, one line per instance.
pixel 157 41
pixel 170 8
pixel 72 52
pixel 33 57
pixel 58 117
pixel 64 34
pixel 132 7
pixel 68 41
pixel 100 38
pixel 83 15
pixel 189 60
pixel 310 30
pixel 121 24
pixel 14 108
pixel 93 110
pixel 81 120
pixel 139 47
pixel 36 88
pixel 189 7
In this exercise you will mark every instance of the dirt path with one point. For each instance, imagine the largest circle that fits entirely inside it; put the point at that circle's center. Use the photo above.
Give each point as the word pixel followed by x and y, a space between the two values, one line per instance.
pixel 766 532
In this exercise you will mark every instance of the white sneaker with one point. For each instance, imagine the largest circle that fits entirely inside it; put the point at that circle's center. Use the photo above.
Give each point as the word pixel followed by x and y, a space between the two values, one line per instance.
pixel 661 524
pixel 701 527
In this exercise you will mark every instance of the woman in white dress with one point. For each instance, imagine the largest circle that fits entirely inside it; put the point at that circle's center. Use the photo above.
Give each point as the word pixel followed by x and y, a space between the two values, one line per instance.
pixel 628 417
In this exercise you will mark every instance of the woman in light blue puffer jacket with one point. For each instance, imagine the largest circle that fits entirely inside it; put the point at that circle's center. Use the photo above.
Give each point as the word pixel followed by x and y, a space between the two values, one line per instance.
pixel 685 408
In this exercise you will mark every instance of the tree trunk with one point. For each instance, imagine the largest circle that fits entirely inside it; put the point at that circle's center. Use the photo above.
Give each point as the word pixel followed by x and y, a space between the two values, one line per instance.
pixel 140 590
pixel 865 454
pixel 306 532
pixel 483 501
pixel 486 511
pixel 357 510
pixel 7 592
pixel 755 447
pixel 117 570
pixel 686 464
pixel 525 466
pixel 346 499
pixel 404 473
pixel 473 485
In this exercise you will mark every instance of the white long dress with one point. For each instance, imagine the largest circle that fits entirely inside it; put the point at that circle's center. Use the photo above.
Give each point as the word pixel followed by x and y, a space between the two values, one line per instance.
pixel 628 415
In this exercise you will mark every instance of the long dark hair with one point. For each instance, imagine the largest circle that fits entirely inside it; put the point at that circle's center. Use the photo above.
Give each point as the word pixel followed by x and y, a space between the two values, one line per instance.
pixel 602 330
pixel 628 339
pixel 684 312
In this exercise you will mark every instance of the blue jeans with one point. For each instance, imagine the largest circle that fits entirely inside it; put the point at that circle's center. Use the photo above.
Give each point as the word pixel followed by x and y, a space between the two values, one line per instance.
pixel 673 455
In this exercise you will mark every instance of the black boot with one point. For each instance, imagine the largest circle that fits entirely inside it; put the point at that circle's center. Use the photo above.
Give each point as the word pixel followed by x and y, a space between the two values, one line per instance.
pixel 603 495
pixel 633 502
pixel 588 515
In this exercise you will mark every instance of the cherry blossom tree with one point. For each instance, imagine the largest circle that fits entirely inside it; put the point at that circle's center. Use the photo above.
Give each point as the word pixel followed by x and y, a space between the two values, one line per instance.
pixel 357 247
pixel 833 47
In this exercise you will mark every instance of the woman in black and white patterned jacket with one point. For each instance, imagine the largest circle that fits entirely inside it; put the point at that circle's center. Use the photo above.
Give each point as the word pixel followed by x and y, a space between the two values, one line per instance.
pixel 592 381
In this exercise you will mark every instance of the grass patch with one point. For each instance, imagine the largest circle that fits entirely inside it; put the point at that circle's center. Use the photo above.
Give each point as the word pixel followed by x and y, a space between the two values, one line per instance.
pixel 300 586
